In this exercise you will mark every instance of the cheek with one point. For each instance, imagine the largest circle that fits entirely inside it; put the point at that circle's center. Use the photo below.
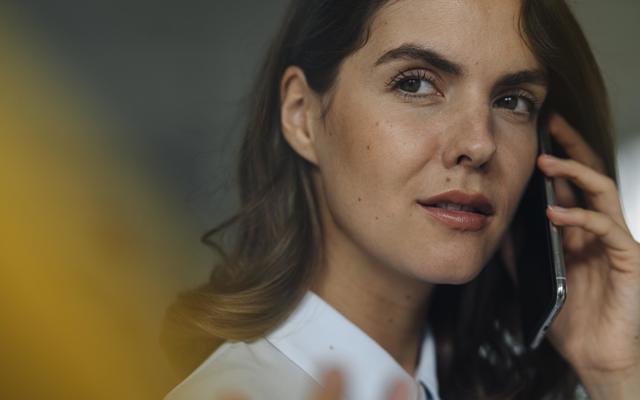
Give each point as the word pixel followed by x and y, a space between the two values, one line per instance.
pixel 368 150
pixel 519 159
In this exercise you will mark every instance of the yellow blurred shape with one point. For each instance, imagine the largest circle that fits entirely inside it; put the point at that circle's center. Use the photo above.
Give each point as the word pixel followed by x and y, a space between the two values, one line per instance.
pixel 90 251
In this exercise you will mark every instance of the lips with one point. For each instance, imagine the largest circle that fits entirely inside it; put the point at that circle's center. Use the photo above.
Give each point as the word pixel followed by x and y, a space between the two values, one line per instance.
pixel 472 202
pixel 459 210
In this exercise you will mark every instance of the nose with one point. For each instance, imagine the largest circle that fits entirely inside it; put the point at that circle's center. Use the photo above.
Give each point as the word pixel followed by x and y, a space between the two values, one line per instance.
pixel 470 141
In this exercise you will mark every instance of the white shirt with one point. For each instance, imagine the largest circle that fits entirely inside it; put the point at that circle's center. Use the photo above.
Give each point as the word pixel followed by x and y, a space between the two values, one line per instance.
pixel 288 363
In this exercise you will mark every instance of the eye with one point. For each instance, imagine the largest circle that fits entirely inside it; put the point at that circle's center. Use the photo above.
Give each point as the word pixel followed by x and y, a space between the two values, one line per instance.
pixel 518 103
pixel 414 83
pixel 417 86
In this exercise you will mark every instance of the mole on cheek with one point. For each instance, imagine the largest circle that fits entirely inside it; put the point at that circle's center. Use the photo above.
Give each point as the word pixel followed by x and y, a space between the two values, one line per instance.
pixel 448 179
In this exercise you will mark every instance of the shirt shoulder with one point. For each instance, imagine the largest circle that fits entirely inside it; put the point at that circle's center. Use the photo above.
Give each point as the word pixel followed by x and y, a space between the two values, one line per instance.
pixel 258 370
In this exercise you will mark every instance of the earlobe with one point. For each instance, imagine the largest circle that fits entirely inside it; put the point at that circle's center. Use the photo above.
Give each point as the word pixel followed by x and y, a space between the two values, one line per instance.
pixel 296 102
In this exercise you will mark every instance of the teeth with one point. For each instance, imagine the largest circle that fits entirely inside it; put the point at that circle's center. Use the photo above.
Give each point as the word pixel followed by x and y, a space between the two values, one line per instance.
pixel 455 207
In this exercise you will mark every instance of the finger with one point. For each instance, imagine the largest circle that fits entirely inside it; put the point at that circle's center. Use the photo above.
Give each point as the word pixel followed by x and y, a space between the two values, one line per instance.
pixel 564 194
pixel 332 386
pixel 573 238
pixel 602 192
pixel 399 391
pixel 620 245
pixel 573 143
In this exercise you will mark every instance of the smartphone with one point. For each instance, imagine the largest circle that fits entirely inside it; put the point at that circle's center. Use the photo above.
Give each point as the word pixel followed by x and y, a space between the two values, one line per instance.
pixel 541 278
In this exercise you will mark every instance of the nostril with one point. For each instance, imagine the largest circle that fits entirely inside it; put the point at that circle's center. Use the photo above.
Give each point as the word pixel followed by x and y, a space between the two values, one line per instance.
pixel 461 159
pixel 477 162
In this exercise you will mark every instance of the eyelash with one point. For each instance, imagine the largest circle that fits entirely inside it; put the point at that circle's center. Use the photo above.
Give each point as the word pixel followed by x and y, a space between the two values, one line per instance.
pixel 531 100
pixel 403 76
pixel 421 74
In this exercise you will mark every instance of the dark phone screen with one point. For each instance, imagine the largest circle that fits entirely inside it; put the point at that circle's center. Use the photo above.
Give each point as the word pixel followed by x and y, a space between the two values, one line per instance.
pixel 537 285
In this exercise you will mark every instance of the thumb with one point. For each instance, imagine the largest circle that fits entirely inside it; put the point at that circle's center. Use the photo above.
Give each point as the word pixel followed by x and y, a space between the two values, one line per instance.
pixel 332 388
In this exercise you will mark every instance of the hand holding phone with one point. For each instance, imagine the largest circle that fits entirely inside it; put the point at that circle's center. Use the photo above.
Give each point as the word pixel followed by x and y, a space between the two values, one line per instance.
pixel 540 264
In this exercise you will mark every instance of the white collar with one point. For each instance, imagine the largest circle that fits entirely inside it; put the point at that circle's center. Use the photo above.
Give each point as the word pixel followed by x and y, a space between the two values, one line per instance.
pixel 316 336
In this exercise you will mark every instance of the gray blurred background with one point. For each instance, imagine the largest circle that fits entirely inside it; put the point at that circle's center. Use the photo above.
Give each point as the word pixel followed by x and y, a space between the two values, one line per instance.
pixel 176 75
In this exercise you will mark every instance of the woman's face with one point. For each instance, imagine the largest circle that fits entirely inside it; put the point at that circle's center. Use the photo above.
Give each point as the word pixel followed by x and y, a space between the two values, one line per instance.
pixel 443 97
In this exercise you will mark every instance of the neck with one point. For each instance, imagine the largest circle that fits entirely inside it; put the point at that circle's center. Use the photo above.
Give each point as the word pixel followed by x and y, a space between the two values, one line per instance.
pixel 387 305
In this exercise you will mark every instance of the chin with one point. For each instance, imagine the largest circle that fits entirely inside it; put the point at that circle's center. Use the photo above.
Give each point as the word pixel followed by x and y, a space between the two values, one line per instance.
pixel 453 279
pixel 446 274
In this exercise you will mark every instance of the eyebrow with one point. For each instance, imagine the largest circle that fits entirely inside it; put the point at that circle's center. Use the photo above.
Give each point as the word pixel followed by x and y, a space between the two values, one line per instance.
pixel 410 51
pixel 536 77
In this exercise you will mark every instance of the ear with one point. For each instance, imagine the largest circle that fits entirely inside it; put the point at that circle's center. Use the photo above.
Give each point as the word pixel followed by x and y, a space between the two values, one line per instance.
pixel 299 111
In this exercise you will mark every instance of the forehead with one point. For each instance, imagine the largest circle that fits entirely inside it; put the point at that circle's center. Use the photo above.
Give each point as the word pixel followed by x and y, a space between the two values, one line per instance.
pixel 479 34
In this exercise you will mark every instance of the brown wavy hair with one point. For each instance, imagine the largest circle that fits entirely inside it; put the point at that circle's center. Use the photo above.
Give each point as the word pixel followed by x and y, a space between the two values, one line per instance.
pixel 272 253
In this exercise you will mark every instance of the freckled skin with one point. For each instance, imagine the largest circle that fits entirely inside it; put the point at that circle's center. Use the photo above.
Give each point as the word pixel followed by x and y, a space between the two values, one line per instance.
pixel 424 147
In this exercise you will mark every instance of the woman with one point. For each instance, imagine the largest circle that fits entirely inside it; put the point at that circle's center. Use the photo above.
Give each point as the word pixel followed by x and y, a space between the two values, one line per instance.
pixel 389 145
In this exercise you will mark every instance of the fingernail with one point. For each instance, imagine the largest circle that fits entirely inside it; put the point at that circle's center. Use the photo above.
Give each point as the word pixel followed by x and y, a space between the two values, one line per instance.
pixel 559 209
